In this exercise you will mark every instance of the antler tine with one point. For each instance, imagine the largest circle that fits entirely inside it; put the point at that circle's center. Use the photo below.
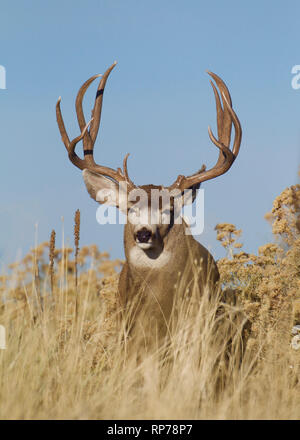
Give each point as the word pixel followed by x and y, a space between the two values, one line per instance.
pixel 125 170
pixel 225 118
pixel 237 128
pixel 223 114
pixel 90 138
pixel 72 155
pixel 61 125
pixel 70 146
pixel 87 144
pixel 96 112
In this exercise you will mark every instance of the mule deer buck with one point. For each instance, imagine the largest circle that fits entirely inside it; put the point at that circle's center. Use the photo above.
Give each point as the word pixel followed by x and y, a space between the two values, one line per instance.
pixel 157 253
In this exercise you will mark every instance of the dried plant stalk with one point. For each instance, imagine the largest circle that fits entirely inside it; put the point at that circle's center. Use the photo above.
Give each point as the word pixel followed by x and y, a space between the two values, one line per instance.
pixel 76 242
pixel 51 260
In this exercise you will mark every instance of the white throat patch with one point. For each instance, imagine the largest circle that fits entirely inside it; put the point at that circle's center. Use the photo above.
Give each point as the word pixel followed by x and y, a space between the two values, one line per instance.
pixel 139 258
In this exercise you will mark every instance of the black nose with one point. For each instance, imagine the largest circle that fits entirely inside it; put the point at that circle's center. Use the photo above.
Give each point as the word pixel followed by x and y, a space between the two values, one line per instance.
pixel 144 235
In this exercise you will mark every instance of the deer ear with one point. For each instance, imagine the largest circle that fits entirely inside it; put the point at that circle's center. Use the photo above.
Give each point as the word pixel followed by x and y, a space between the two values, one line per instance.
pixel 100 188
pixel 104 190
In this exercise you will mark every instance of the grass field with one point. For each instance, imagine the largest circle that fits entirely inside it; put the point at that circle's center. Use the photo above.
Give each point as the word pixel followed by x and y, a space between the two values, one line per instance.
pixel 68 354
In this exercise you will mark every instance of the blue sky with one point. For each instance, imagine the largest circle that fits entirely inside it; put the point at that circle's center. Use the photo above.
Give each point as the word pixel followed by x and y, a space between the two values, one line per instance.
pixel 157 105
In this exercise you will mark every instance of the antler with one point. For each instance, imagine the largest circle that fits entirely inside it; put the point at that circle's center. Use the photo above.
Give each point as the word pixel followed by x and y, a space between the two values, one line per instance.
pixel 225 118
pixel 89 133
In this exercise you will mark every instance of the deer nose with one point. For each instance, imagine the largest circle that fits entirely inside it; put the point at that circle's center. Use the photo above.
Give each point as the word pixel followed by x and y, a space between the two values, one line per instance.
pixel 144 235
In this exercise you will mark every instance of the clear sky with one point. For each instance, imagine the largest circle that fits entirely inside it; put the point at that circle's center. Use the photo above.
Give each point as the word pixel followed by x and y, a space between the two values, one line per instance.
pixel 157 105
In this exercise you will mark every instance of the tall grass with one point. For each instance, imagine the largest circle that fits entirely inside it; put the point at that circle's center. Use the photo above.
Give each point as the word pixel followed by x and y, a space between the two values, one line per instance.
pixel 227 354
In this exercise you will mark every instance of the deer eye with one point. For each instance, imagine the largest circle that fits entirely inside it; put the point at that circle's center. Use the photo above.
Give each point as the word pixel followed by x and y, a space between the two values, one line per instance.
pixel 136 210
pixel 134 214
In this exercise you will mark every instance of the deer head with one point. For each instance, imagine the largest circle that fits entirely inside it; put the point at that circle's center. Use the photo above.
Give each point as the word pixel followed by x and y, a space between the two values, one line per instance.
pixel 149 222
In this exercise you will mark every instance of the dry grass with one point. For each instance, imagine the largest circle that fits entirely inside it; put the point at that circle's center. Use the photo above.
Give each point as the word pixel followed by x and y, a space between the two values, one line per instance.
pixel 210 366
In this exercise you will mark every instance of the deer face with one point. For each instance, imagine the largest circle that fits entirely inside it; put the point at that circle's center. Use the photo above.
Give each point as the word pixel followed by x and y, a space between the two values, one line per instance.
pixel 151 214
pixel 151 210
